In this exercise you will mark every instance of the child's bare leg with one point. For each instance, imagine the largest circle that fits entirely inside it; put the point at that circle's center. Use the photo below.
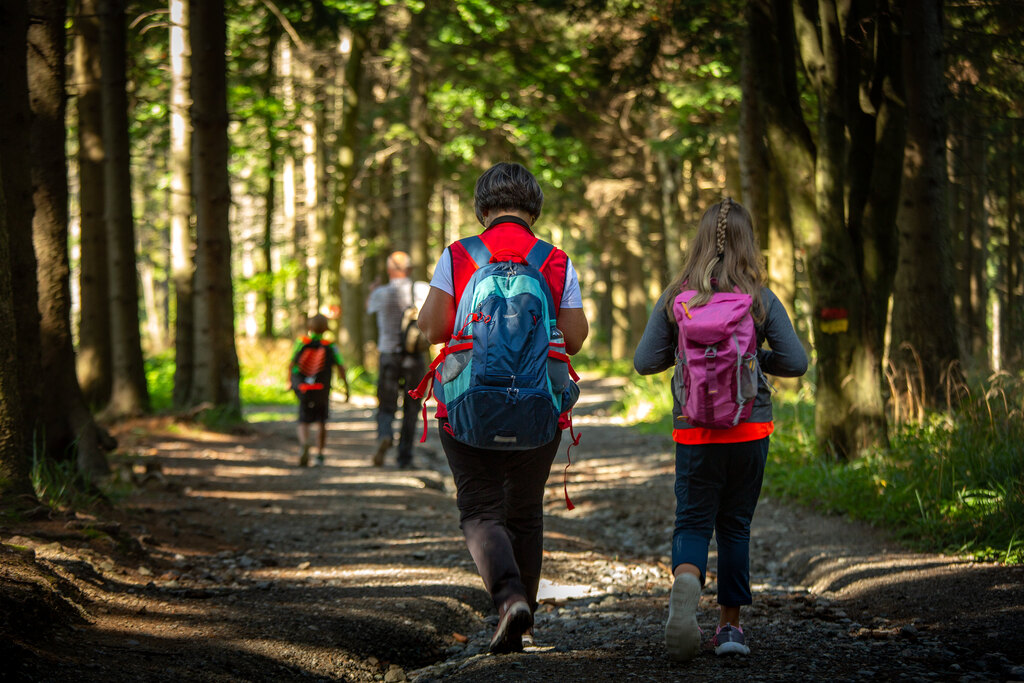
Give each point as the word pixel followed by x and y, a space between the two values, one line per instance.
pixel 729 615
pixel 320 441
pixel 304 443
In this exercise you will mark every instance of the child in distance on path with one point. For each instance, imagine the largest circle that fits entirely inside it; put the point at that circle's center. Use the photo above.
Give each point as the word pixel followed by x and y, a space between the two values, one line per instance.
pixel 718 471
pixel 309 375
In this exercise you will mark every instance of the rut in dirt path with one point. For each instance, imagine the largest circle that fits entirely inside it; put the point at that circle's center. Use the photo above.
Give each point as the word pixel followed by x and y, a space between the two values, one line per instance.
pixel 256 569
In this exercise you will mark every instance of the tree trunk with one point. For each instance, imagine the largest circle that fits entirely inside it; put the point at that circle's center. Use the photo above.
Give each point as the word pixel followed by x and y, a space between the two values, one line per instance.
pixel 270 194
pixel 15 431
pixel 182 235
pixel 1013 323
pixel 216 375
pixel 421 176
pixel 843 216
pixel 314 241
pixel 68 426
pixel 755 168
pixel 129 395
pixel 346 277
pixel 94 347
pixel 923 316
pixel 14 143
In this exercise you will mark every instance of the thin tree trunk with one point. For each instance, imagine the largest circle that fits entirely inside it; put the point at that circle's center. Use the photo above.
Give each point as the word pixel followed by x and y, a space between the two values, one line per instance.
pixel 129 394
pixel 15 429
pixel 270 195
pixel 182 240
pixel 216 375
pixel 755 167
pixel 421 176
pixel 94 344
pixel 313 244
pixel 344 278
pixel 68 424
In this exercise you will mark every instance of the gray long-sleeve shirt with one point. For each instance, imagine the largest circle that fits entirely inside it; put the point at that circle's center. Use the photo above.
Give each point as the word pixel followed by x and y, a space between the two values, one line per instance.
pixel 784 355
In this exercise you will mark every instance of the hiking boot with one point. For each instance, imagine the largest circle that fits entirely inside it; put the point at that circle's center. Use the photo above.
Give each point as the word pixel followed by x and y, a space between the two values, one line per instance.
pixel 729 640
pixel 682 635
pixel 304 458
pixel 383 444
pixel 319 459
pixel 514 618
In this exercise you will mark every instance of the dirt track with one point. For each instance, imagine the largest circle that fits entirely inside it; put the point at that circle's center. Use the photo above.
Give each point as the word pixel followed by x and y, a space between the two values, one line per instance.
pixel 230 563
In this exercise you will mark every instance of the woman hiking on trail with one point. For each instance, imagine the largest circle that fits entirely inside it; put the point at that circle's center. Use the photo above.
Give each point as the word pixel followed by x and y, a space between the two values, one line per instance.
pixel 719 469
pixel 500 491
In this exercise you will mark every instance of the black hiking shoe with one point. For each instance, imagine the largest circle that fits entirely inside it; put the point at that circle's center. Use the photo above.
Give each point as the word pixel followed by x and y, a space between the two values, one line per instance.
pixel 514 618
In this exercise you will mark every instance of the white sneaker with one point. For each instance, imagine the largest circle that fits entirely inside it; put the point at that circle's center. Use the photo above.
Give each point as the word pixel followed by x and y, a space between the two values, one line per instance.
pixel 682 635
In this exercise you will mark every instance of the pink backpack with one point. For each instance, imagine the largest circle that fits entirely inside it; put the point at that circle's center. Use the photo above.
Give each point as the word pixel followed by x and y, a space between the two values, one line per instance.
pixel 716 372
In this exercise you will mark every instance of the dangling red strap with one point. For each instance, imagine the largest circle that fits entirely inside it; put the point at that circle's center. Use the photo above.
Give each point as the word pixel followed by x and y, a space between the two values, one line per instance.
pixel 575 441
pixel 425 389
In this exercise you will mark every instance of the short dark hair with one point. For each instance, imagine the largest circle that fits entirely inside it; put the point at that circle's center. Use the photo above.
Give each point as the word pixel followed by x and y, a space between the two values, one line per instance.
pixel 507 186
pixel 318 324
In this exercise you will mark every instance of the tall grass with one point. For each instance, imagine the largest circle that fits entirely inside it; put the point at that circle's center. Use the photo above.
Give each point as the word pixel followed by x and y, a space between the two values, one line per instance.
pixel 953 482
pixel 263 367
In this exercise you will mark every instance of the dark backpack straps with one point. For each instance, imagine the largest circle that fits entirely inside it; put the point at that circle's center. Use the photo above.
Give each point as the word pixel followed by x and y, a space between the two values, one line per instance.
pixel 539 254
pixel 477 250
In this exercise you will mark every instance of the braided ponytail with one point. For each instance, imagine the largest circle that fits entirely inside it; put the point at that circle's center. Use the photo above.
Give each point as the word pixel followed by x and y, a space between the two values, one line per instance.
pixel 723 214
pixel 725 247
pixel 705 280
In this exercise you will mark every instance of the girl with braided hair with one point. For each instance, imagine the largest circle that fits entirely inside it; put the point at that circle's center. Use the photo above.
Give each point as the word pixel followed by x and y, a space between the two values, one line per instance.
pixel 718 471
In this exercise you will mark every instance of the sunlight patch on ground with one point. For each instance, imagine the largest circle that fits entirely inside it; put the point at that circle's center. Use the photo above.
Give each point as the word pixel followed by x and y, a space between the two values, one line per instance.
pixel 558 592
pixel 375 479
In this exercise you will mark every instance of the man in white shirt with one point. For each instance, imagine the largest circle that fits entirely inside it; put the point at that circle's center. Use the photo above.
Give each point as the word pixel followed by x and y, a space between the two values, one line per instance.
pixel 399 371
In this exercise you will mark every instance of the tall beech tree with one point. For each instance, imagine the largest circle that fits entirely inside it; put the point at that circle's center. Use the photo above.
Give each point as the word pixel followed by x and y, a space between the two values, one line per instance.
pixel 129 394
pixel 216 373
pixel 68 425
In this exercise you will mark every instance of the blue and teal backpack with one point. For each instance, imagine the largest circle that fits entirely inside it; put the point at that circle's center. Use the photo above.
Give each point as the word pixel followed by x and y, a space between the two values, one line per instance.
pixel 504 375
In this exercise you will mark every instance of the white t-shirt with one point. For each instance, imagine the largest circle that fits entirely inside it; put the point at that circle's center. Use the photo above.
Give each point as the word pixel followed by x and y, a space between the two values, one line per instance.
pixel 445 281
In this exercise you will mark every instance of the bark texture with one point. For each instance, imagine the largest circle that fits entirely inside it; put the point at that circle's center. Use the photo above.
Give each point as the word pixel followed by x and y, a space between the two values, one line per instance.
pixel 94 348
pixel 924 334
pixel 68 426
pixel 129 395
pixel 216 375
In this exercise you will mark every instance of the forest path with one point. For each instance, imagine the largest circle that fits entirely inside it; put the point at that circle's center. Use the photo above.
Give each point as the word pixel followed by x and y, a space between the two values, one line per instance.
pixel 232 563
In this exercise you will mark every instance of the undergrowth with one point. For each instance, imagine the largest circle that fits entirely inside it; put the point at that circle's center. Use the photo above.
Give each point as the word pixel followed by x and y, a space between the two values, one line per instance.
pixel 953 484
pixel 263 382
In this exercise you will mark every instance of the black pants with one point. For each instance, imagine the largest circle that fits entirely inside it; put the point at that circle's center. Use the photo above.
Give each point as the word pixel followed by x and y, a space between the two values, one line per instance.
pixel 399 373
pixel 500 495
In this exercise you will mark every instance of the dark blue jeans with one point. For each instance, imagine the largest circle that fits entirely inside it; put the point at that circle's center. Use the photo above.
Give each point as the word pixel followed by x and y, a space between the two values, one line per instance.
pixel 717 487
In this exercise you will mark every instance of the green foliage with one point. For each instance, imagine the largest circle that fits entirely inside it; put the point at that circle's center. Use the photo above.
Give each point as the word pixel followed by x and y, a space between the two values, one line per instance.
pixel 954 484
pixel 160 380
